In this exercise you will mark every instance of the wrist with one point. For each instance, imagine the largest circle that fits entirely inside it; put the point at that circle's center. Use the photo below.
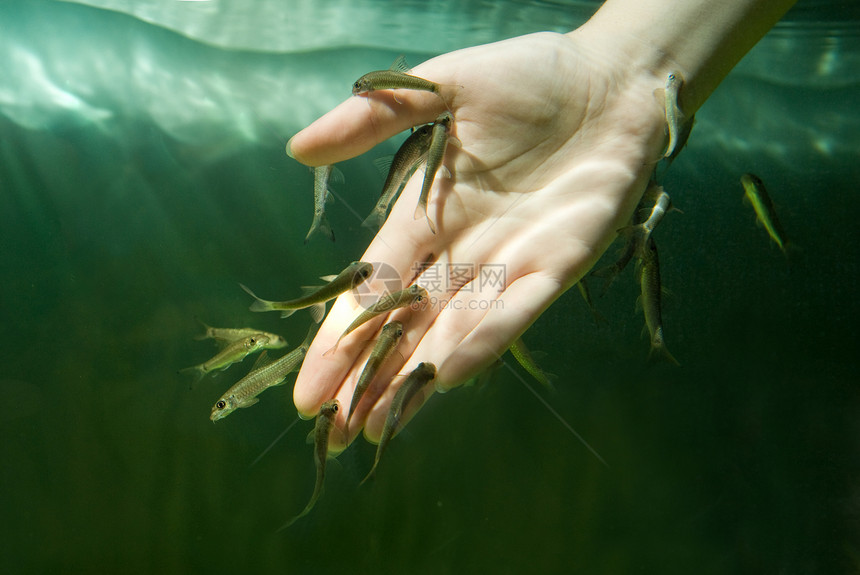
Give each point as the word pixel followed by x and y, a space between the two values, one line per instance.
pixel 701 39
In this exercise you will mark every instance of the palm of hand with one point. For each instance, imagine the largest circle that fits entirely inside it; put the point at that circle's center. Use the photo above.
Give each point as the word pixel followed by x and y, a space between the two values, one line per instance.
pixel 555 153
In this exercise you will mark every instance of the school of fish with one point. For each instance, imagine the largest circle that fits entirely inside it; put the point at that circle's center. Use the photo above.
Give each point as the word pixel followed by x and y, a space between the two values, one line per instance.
pixel 427 145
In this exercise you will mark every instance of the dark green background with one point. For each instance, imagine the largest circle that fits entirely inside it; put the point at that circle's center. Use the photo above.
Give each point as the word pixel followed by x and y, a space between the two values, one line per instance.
pixel 745 459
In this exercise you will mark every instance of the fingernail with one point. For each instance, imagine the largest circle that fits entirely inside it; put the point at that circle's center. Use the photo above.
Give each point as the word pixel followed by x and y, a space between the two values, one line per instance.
pixel 289 148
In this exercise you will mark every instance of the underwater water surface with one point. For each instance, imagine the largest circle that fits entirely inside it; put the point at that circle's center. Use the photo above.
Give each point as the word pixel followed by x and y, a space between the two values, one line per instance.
pixel 143 176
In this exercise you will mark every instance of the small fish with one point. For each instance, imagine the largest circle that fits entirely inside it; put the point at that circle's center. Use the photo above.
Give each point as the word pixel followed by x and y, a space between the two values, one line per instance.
pixel 412 296
pixel 385 345
pixel 674 115
pixel 321 194
pixel 639 234
pixel 231 334
pixel 610 272
pixel 232 353
pixel 322 429
pixel 635 234
pixel 438 145
pixel 586 296
pixel 521 353
pixel 415 382
pixel 756 194
pixel 244 392
pixel 648 276
pixel 395 78
pixel 409 156
pixel 316 298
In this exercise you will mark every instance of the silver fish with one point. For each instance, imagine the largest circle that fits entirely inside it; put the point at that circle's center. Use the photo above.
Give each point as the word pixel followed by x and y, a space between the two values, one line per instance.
pixel 321 194
pixel 756 194
pixel 385 345
pixel 322 429
pixel 316 298
pixel 244 392
pixel 435 155
pixel 231 334
pixel 415 382
pixel 412 296
pixel 639 234
pixel 409 156
pixel 674 115
pixel 648 273
pixel 232 353
pixel 396 77
pixel 524 357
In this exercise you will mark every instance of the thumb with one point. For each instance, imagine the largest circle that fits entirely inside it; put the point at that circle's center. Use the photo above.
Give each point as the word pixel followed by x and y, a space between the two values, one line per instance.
pixel 360 123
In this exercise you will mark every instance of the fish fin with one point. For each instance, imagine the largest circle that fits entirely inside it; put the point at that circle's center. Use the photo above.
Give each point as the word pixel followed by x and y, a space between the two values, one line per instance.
pixel 259 304
pixel 383 164
pixel 251 402
pixel 261 361
pixel 287 313
pixel 328 278
pixel 638 306
pixel 318 312
pixel 400 65
pixel 309 439
pixel 329 196
pixel 336 175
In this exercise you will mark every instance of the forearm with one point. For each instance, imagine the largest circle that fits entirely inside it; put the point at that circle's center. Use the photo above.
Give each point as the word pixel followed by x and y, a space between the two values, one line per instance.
pixel 701 39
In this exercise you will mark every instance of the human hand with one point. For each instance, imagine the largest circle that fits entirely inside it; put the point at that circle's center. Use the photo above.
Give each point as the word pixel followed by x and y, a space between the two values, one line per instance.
pixel 559 136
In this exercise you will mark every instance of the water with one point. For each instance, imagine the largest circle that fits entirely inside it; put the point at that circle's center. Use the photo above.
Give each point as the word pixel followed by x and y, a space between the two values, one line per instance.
pixel 142 176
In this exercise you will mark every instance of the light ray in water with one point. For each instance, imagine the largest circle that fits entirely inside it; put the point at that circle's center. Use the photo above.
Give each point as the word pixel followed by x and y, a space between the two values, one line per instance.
pixel 277 439
pixel 556 414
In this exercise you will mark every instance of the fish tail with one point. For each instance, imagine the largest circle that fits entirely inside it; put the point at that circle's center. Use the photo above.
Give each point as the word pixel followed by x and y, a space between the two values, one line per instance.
pixel 196 371
pixel 320 224
pixel 447 92
pixel 207 330
pixel 421 212
pixel 608 274
pixel 375 220
pixel 370 473
pixel 660 349
pixel 261 305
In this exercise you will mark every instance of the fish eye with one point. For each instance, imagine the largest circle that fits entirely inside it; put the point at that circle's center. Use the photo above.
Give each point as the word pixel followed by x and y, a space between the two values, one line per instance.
pixel 221 404
pixel 356 86
pixel 335 407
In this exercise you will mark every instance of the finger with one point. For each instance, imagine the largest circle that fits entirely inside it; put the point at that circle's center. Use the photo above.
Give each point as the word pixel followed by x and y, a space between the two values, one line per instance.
pixel 396 254
pixel 469 334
